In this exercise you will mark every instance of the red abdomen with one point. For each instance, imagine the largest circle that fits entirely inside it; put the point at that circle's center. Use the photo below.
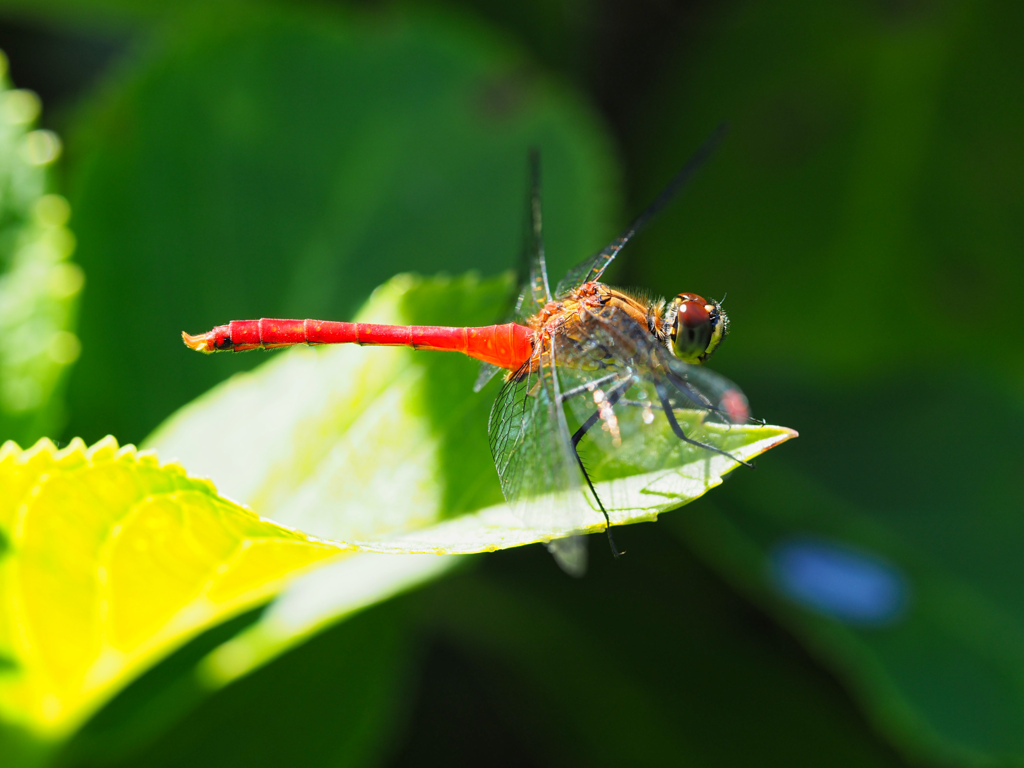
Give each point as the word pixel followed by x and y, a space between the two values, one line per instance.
pixel 506 346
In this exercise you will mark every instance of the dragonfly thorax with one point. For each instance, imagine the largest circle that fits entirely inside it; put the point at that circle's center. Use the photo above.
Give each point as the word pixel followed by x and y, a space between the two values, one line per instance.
pixel 695 327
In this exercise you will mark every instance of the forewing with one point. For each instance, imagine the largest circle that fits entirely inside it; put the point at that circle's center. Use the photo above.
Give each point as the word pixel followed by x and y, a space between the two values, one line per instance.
pixel 536 291
pixel 592 268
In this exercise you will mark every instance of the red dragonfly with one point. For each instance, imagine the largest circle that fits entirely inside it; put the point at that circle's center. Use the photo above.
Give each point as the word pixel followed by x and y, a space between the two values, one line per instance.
pixel 584 360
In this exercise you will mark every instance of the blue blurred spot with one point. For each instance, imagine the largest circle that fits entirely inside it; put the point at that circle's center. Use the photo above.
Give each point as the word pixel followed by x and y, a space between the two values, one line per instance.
pixel 838 581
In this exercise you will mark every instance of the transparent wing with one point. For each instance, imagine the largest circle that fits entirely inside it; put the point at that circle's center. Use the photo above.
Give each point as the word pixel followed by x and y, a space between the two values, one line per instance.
pixel 533 453
pixel 484 375
pixel 592 268
pixel 527 429
pixel 534 292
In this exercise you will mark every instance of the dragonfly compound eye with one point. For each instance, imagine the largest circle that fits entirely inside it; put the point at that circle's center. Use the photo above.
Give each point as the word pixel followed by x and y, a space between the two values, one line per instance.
pixel 697 327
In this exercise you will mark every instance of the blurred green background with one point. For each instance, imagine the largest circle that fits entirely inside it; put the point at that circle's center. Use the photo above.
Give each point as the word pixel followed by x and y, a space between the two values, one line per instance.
pixel 855 601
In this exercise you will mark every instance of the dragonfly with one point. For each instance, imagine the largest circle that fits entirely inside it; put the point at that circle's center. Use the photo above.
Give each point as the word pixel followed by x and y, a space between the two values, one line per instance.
pixel 598 381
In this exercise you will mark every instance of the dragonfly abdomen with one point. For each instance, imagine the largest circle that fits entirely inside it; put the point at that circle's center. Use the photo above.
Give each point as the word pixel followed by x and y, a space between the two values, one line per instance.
pixel 506 346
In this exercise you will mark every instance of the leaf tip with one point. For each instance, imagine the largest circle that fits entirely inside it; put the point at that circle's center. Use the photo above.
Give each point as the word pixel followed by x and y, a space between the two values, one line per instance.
pixel 105 448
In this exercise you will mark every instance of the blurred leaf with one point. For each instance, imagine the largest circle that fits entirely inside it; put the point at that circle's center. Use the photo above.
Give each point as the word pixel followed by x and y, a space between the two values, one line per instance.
pixel 677 665
pixel 904 587
pixel 872 173
pixel 286 161
pixel 872 183
pixel 98 14
pixel 38 285
pixel 111 561
pixel 334 701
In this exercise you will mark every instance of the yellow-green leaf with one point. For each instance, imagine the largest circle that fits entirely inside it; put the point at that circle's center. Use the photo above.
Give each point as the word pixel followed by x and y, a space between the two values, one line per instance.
pixel 112 560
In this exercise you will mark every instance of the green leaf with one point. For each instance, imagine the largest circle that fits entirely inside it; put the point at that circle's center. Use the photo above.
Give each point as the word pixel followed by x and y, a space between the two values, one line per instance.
pixel 112 561
pixel 38 285
pixel 653 642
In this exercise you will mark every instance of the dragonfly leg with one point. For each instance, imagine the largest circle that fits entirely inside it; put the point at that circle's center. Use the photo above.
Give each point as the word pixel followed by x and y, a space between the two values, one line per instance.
pixel 667 407
pixel 617 392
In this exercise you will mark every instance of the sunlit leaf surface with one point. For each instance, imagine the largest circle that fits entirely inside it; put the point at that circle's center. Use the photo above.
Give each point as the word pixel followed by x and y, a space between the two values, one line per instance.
pixel 112 560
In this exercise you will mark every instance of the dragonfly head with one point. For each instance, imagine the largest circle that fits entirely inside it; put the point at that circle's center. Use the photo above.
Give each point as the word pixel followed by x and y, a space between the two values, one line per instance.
pixel 695 327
